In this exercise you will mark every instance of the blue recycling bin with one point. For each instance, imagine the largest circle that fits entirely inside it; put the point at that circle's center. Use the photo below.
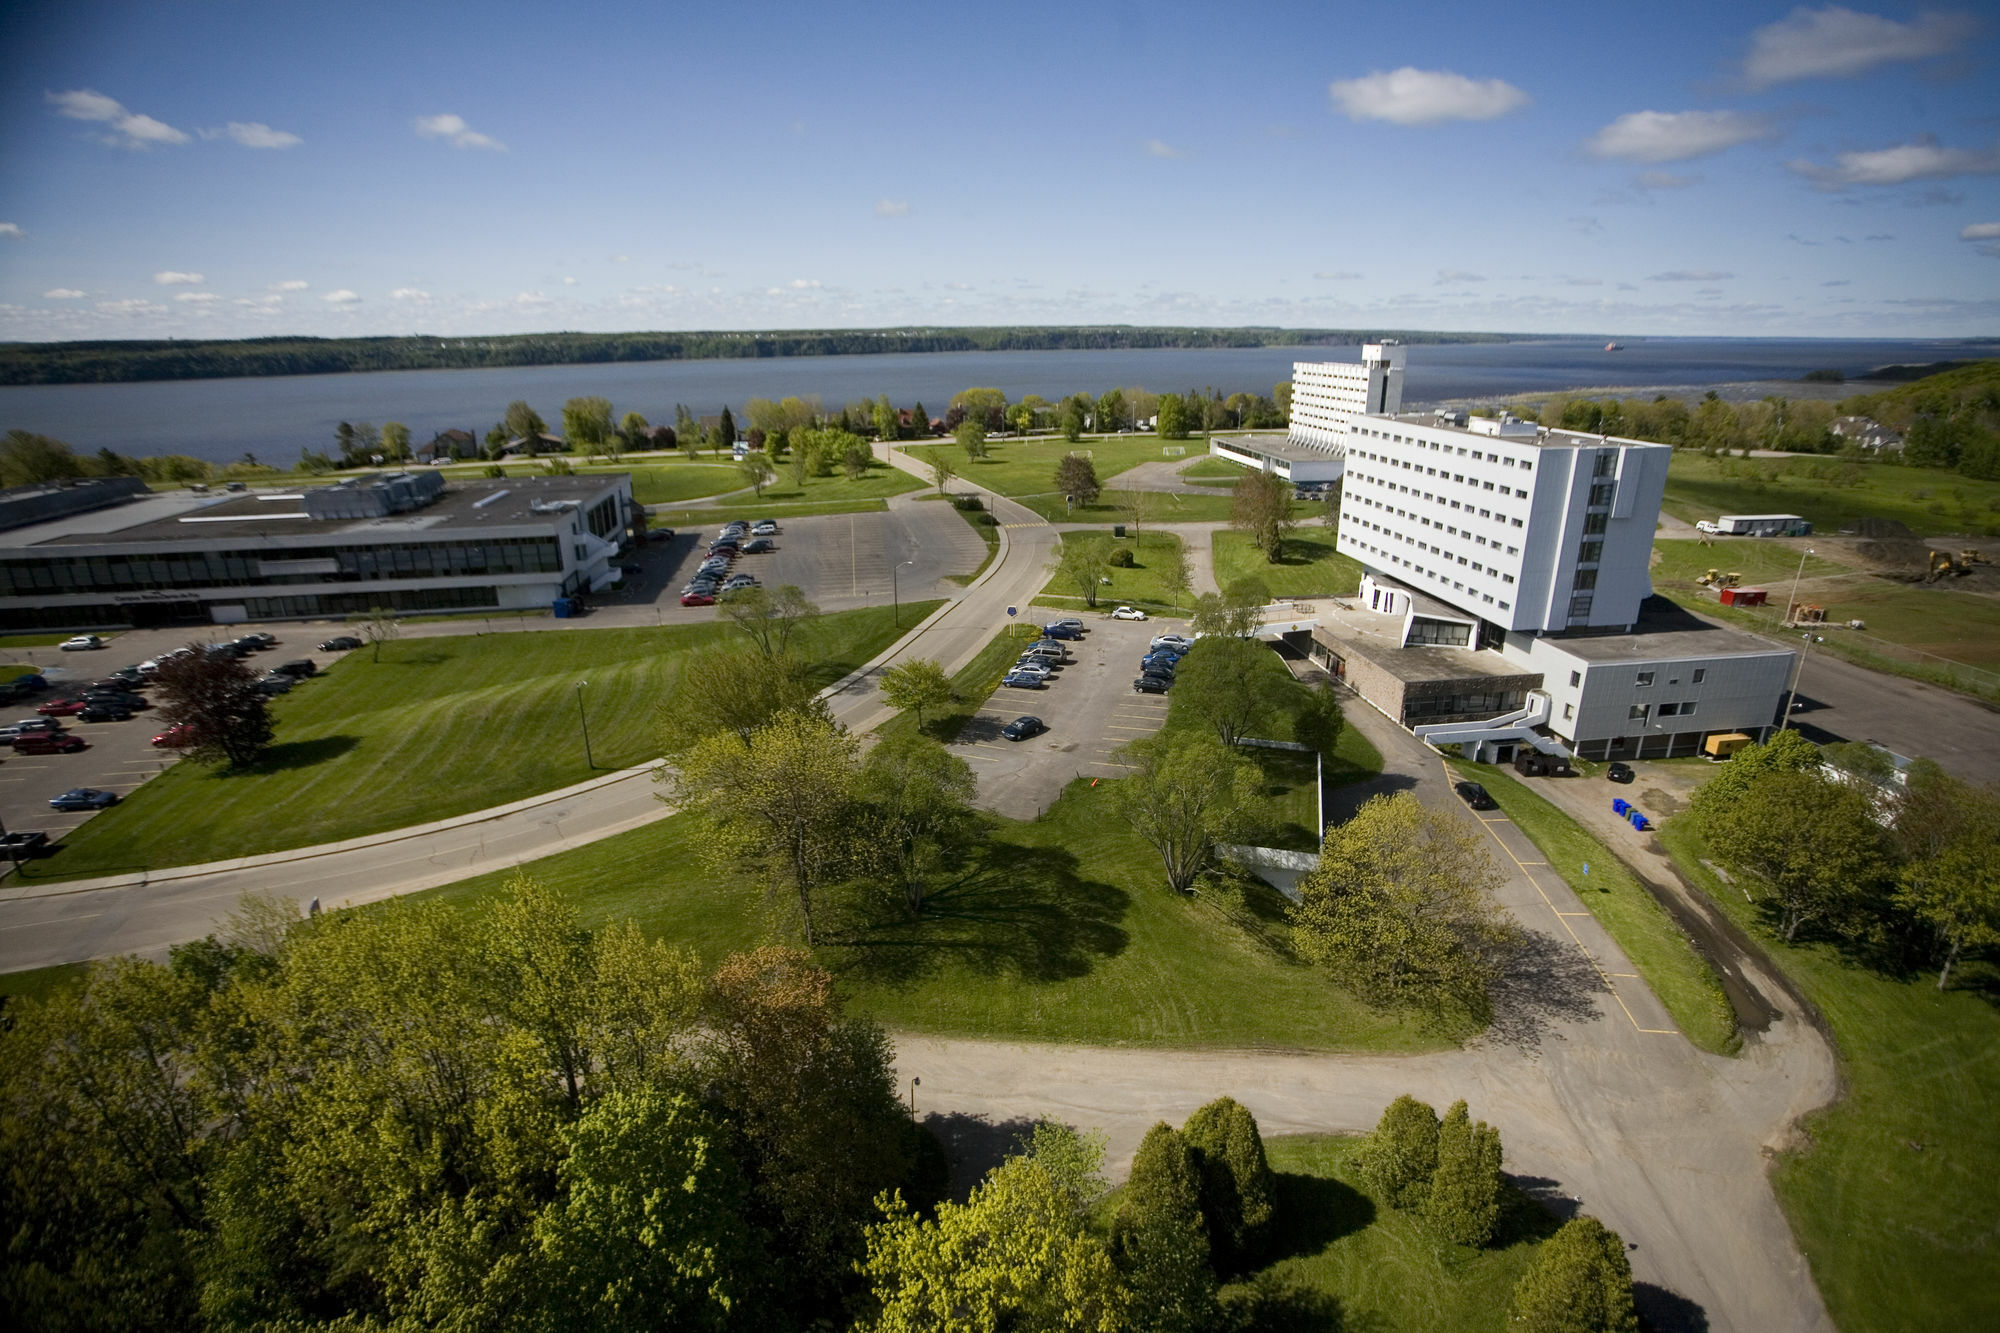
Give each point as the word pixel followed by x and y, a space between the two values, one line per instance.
pixel 1640 822
pixel 563 608
pixel 1620 806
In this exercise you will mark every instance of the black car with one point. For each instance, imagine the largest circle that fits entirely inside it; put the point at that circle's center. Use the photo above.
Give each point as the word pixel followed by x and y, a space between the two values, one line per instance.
pixel 1060 631
pixel 340 643
pixel 759 545
pixel 299 669
pixel 1474 795
pixel 19 846
pixel 1152 684
pixel 105 713
pixel 131 703
pixel 83 798
pixel 1021 728
pixel 1619 772
pixel 1164 663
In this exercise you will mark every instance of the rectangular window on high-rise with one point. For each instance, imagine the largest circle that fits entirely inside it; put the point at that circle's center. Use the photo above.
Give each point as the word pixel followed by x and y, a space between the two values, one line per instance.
pixel 1601 495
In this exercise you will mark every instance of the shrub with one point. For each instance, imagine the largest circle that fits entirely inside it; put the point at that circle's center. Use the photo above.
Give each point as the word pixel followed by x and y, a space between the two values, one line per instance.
pixel 1579 1282
pixel 1403 1156
pixel 1121 558
pixel 1236 1180
pixel 1464 1200
pixel 1159 1238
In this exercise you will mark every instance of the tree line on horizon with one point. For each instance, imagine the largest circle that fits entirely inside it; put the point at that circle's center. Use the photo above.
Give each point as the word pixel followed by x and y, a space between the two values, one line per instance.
pixel 124 361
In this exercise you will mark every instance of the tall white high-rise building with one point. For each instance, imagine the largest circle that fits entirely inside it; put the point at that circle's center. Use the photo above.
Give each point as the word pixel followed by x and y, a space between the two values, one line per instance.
pixel 1327 395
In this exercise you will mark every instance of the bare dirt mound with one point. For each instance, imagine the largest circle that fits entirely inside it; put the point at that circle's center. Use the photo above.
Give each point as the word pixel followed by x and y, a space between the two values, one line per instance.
pixel 1886 529
pixel 1895 558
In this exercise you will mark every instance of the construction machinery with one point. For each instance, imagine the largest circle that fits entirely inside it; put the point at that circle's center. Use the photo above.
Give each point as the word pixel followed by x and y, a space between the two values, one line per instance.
pixel 1944 562
pixel 1715 578
pixel 1805 614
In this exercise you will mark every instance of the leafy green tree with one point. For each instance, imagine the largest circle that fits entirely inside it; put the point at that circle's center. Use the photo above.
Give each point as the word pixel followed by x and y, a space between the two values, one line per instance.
pixel 1073 413
pixel 770 619
pixel 1237 1187
pixel 971 436
pixel 738 692
pixel 650 1230
pixel 217 699
pixel 1160 1239
pixel 28 459
pixel 1578 1282
pixel 779 803
pixel 920 798
pixel 1955 893
pixel 523 422
pixel 1785 752
pixel 1112 414
pixel 1187 794
pixel 1234 614
pixel 885 419
pixel 1402 1156
pixel 1812 839
pixel 725 428
pixel 1262 508
pixel 1222 683
pixel 1320 722
pixel 1018 1254
pixel 757 472
pixel 1176 574
pixel 1464 1200
pixel 634 434
pixel 920 422
pixel 1020 418
pixel 1172 423
pixel 395 441
pixel 1076 476
pixel 1080 558
pixel 916 685
pixel 942 472
pixel 1401 909
pixel 854 460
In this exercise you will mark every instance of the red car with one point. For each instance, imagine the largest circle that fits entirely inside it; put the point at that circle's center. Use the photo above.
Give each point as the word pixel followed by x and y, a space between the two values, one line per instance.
pixel 174 738
pixel 697 599
pixel 62 708
pixel 48 742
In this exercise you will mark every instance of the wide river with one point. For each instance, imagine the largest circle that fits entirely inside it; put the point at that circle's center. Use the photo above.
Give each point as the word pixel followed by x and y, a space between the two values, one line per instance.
pixel 273 419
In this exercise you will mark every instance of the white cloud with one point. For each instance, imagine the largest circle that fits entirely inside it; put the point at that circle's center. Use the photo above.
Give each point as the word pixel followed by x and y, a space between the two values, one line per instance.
pixel 341 297
pixel 1674 136
pixel 454 131
pixel 621 259
pixel 1925 159
pixel 129 129
pixel 1336 275
pixel 804 284
pixel 569 282
pixel 132 305
pixel 1690 275
pixel 1160 148
pixel 1458 275
pixel 409 294
pixel 1981 231
pixel 62 294
pixel 12 231
pixel 532 298
pixel 254 134
pixel 1665 180
pixel 170 278
pixel 196 298
pixel 290 285
pixel 1410 96
pixel 892 208
pixel 1835 42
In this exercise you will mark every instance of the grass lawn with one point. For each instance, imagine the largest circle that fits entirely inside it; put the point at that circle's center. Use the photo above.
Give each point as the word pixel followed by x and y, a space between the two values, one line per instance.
pixel 11 642
pixel 1210 468
pixel 1028 467
pixel 1831 492
pixel 1356 1263
pixel 39 983
pixel 982 523
pixel 1769 562
pixel 1662 952
pixel 971 687
pixel 1137 585
pixel 1310 565
pixel 1165 507
pixel 1892 1194
pixel 1057 930
pixel 685 481
pixel 438 727
pixel 16 670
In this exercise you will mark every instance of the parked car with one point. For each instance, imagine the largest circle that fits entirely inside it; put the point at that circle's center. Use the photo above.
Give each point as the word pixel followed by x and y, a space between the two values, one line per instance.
pixel 1128 613
pixel 83 798
pixel 32 726
pixel 255 643
pixel 659 534
pixel 692 598
pixel 277 682
pixel 764 528
pixel 739 581
pixel 105 713
pixel 1028 666
pixel 1075 624
pixel 21 687
pixel 134 703
pixel 48 742
pixel 340 643
pixel 21 846
pixel 1044 655
pixel 1474 795
pixel 1023 680
pixel 62 708
pixel 1061 632
pixel 298 669
pixel 1151 684
pixel 759 546
pixel 174 738
pixel 1023 727
pixel 1159 664
pixel 130 677
pixel 1178 642
pixel 82 643
pixel 1617 772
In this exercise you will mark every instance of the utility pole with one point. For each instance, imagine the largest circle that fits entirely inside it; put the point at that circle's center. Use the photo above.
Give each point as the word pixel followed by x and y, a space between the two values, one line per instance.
pixel 583 718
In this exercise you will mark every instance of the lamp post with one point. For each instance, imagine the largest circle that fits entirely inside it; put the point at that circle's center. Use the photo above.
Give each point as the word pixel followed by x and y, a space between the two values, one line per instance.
pixel 1791 609
pixel 895 592
pixel 913 1096
pixel 1792 600
pixel 583 719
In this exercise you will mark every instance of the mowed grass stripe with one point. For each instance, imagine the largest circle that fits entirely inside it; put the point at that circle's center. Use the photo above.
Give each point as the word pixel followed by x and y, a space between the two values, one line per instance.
pixel 437 728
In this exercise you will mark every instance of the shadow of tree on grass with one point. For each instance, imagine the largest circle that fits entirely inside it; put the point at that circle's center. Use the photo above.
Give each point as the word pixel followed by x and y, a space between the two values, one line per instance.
pixel 296 754
pixel 1009 911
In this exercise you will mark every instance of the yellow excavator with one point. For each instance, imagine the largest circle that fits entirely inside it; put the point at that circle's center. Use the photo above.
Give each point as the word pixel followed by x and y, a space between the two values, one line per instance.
pixel 1715 578
pixel 1944 562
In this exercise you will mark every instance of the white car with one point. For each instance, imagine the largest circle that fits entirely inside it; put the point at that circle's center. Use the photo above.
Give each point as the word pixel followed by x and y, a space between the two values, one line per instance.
pixel 1128 613
pixel 1710 528
pixel 82 643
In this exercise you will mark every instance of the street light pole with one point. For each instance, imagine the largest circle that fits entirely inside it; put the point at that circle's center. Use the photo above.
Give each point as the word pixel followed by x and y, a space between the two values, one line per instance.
pixel 584 719
pixel 1791 611
pixel 1792 600
pixel 895 592
pixel 913 1096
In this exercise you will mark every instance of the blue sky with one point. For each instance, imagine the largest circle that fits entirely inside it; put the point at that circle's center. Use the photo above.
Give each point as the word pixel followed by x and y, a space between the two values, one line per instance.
pixel 234 169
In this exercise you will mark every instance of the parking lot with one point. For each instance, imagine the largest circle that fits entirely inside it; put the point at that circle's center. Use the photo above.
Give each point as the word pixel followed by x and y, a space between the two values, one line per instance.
pixel 1090 708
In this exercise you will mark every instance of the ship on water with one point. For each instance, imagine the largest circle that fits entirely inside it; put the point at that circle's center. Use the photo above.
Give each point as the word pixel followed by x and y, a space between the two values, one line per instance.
pixel 1614 347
